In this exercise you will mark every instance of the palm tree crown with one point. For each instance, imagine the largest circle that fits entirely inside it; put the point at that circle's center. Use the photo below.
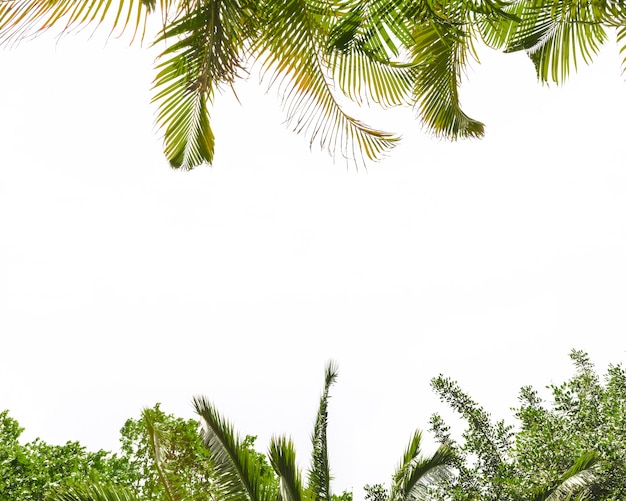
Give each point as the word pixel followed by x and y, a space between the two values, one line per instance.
pixel 390 52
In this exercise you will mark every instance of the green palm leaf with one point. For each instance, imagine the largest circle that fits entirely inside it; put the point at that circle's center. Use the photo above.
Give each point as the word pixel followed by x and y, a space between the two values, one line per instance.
pixel 92 492
pixel 319 476
pixel 363 53
pixel 21 19
pixel 208 50
pixel 282 456
pixel 414 472
pixel 557 34
pixel 441 50
pixel 621 40
pixel 237 471
pixel 292 48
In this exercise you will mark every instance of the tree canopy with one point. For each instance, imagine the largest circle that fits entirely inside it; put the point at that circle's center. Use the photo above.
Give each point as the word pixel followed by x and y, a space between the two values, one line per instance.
pixel 315 53
pixel 575 445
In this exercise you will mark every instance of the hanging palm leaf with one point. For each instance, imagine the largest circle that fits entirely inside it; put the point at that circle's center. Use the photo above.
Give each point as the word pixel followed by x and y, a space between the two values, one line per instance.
pixel 292 49
pixel 22 19
pixel 207 51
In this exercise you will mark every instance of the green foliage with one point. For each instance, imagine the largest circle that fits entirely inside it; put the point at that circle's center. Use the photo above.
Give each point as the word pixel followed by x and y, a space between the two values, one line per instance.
pixel 390 52
pixel 586 413
pixel 238 474
pixel 344 496
pixel 574 447
pixel 178 444
pixel 375 492
pixel 29 471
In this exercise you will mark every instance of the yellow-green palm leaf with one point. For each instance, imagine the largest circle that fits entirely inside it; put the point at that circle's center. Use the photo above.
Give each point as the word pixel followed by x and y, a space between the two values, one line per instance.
pixel 21 19
pixel 557 34
pixel 207 50
pixel 441 50
pixel 292 48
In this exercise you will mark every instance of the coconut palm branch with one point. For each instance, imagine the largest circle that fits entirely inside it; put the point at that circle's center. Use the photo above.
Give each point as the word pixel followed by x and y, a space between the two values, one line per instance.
pixel 23 19
pixel 557 34
pixel 412 52
pixel 292 49
pixel 237 472
pixel 207 51
pixel 442 51
pixel 415 472
pixel 319 475
pixel 365 56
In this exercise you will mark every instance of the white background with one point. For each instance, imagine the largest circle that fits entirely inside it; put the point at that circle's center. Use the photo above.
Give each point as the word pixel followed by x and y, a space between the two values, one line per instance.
pixel 124 283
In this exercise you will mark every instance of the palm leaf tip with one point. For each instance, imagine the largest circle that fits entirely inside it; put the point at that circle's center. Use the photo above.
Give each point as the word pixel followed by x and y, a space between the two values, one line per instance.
pixel 415 472
pixel 237 471
pixel 283 459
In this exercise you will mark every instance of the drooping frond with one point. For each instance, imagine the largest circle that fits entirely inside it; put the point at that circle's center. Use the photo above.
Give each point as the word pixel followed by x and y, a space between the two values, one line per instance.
pixel 415 472
pixel 441 50
pixel 557 34
pixel 319 475
pixel 21 19
pixel 364 46
pixel 415 51
pixel 621 40
pixel 282 456
pixel 206 51
pixel 292 48
pixel 237 472
pixel 92 492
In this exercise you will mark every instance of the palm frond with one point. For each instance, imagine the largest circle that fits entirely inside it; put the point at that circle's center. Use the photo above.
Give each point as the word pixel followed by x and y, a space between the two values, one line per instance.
pixel 207 52
pixel 441 50
pixel 282 456
pixel 364 45
pixel 557 34
pixel 319 475
pixel 292 49
pixel 621 40
pixel 92 492
pixel 237 472
pixel 415 473
pixel 22 19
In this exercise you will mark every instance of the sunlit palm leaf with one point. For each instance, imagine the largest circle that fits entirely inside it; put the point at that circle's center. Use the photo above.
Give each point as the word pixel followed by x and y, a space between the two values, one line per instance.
pixel 441 50
pixel 283 458
pixel 92 492
pixel 557 34
pixel 292 48
pixel 415 473
pixel 206 51
pixel 237 472
pixel 621 40
pixel 319 476
pixel 362 51
pixel 21 19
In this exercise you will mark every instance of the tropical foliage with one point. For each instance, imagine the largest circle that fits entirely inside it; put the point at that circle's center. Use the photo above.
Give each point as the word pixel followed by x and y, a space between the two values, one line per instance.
pixel 574 447
pixel 315 53
pixel 28 471
pixel 240 474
